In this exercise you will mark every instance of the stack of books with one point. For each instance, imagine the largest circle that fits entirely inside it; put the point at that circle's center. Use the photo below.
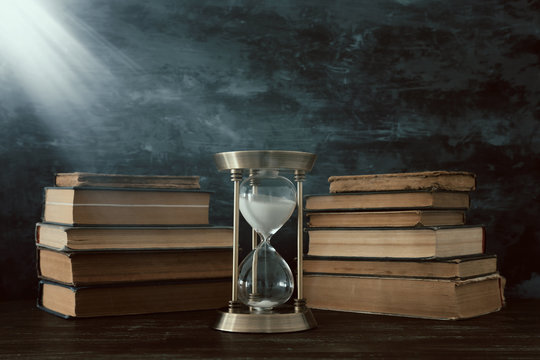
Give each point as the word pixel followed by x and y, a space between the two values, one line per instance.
pixel 399 244
pixel 120 245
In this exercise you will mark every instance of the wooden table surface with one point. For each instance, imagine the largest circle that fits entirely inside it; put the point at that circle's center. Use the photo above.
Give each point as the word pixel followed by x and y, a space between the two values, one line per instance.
pixel 29 333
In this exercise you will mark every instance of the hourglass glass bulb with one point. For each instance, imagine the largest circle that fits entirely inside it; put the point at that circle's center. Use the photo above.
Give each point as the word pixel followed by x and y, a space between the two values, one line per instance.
pixel 267 200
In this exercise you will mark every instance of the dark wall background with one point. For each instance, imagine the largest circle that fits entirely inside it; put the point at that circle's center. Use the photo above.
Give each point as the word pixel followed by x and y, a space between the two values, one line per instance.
pixel 157 87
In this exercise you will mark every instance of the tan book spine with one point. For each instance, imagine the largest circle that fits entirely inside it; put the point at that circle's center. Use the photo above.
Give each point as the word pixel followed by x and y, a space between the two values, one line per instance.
pixel 428 180
pixel 80 179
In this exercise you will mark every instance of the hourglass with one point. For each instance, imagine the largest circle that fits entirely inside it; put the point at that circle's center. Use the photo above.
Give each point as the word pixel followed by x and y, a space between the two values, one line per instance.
pixel 263 283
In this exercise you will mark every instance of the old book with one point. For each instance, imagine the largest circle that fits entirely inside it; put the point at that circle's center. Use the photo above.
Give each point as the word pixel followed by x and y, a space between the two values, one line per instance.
pixel 67 237
pixel 413 297
pixel 134 298
pixel 86 206
pixel 84 179
pixel 83 267
pixel 445 268
pixel 394 200
pixel 408 242
pixel 427 180
pixel 386 218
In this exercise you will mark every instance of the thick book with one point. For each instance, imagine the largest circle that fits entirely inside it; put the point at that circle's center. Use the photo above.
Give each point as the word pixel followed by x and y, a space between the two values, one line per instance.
pixel 441 268
pixel 390 200
pixel 412 297
pixel 113 206
pixel 85 179
pixel 82 267
pixel 408 242
pixel 385 218
pixel 426 180
pixel 68 237
pixel 133 298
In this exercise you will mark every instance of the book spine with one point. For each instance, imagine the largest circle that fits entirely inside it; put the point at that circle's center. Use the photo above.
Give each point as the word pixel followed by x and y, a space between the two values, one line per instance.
pixel 38 263
pixel 37 230
pixel 43 201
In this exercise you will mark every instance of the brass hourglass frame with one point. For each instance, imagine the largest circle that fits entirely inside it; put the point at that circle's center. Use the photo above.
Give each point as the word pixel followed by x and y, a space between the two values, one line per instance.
pixel 237 317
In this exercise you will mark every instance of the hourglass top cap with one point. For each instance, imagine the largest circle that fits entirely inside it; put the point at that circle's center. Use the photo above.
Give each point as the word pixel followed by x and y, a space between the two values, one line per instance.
pixel 265 159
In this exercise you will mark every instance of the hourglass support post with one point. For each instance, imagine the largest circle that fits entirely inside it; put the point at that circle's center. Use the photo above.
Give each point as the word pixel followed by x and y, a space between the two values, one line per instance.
pixel 236 177
pixel 254 243
pixel 254 239
pixel 299 177
pixel 254 266
pixel 254 235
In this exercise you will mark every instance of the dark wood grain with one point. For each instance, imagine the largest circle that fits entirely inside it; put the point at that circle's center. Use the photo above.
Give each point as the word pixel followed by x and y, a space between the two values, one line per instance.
pixel 26 332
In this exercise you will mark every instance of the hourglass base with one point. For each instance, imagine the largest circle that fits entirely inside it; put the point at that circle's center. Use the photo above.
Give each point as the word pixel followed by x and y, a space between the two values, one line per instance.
pixel 280 320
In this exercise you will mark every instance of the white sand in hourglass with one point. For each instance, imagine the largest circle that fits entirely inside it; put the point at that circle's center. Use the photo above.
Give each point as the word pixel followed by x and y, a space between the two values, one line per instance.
pixel 266 213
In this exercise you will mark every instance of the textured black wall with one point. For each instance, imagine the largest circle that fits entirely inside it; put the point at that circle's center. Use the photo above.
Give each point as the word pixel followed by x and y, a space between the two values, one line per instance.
pixel 157 87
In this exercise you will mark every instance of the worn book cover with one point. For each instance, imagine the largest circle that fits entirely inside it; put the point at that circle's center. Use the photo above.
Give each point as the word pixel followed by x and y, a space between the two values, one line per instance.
pixel 86 179
pixel 426 180
pixel 115 206
pixel 132 298
pixel 93 267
